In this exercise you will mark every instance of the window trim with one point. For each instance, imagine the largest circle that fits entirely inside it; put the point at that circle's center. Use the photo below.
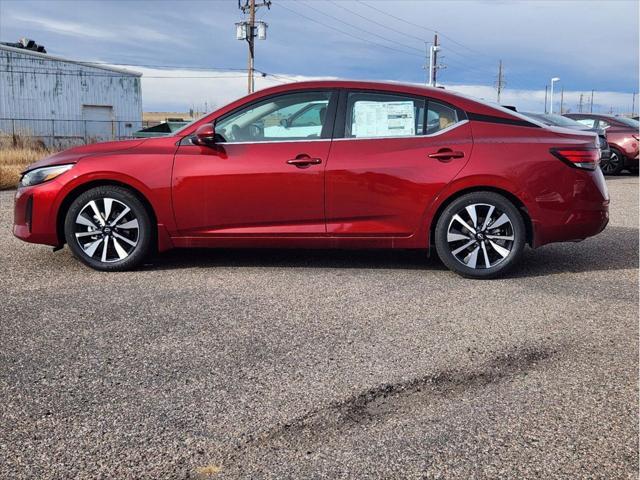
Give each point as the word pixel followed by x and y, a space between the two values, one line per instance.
pixel 407 137
pixel 327 128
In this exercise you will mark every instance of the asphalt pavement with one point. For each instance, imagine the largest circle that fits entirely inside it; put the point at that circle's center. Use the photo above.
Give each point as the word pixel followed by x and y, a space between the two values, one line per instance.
pixel 322 364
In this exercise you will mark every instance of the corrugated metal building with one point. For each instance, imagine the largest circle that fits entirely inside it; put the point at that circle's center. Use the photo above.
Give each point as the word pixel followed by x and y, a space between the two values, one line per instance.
pixel 66 102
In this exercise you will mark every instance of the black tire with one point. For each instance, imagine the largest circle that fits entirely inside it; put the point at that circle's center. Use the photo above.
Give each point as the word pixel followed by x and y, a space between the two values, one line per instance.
pixel 614 164
pixel 127 234
pixel 483 257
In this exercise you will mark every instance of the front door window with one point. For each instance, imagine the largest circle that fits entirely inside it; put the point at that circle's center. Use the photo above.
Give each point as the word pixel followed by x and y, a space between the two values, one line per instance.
pixel 296 116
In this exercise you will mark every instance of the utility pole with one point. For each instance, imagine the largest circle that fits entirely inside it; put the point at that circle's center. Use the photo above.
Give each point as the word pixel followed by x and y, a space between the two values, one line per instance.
pixel 500 82
pixel 432 80
pixel 561 100
pixel 427 63
pixel 591 107
pixel 553 80
pixel 435 59
pixel 580 104
pixel 247 31
pixel 545 98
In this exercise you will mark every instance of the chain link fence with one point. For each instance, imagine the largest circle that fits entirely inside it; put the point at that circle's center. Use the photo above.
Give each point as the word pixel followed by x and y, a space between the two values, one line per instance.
pixel 54 133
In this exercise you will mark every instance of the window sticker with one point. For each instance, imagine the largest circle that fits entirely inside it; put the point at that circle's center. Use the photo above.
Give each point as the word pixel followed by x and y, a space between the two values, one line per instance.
pixel 383 119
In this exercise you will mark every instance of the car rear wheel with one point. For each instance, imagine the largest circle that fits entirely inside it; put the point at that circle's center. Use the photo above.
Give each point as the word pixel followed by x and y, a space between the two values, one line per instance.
pixel 480 235
pixel 108 228
pixel 614 164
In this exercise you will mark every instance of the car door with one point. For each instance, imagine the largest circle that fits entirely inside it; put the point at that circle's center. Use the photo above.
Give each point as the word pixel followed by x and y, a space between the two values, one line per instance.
pixel 261 178
pixel 391 161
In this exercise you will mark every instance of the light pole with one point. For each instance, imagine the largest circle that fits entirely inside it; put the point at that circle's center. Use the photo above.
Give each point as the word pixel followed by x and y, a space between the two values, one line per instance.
pixel 553 80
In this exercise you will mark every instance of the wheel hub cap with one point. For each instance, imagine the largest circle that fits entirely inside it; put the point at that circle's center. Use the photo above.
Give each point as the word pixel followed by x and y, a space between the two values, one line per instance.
pixel 480 236
pixel 107 230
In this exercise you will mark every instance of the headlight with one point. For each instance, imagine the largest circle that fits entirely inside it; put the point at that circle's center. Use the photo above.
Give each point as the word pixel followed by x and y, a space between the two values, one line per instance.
pixel 44 174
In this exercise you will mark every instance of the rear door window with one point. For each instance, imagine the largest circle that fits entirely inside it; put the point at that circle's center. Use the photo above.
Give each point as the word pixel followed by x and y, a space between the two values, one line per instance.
pixel 380 115
pixel 441 116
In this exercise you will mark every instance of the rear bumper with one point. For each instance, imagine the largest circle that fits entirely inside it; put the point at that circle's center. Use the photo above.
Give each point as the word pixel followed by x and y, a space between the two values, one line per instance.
pixel 581 213
pixel 577 226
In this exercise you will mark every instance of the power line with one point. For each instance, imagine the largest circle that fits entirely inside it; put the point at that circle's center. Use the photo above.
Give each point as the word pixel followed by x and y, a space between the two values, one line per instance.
pixel 376 23
pixel 453 50
pixel 422 27
pixel 448 37
pixel 362 29
pixel 44 70
pixel 113 75
pixel 347 33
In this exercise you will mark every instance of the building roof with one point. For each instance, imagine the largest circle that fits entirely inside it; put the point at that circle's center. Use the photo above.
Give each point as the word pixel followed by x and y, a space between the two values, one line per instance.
pixel 46 56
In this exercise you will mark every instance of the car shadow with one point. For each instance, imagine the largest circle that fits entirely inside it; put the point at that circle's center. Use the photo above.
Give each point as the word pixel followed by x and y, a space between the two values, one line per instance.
pixel 295 258
pixel 624 175
pixel 615 249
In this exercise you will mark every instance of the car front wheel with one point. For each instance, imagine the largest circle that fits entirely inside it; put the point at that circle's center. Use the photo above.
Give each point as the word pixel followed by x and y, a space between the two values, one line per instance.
pixel 108 228
pixel 480 235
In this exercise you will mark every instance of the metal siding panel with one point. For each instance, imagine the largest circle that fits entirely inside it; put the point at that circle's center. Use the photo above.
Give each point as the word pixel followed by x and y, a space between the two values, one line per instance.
pixel 60 94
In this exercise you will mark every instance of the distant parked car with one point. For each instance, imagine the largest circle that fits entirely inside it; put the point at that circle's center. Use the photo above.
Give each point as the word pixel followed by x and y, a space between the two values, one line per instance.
pixel 161 130
pixel 623 135
pixel 560 121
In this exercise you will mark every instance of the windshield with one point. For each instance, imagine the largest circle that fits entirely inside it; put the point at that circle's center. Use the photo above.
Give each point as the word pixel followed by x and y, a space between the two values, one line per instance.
pixel 630 122
pixel 555 120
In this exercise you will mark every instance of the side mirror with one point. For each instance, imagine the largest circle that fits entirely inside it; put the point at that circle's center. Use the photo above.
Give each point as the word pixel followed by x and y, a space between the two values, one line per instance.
pixel 284 123
pixel 205 135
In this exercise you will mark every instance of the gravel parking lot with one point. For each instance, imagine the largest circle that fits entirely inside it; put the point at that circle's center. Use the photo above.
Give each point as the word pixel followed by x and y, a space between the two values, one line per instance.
pixel 321 364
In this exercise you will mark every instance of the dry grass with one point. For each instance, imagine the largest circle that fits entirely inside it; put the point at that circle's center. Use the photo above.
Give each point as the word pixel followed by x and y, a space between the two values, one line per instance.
pixel 15 154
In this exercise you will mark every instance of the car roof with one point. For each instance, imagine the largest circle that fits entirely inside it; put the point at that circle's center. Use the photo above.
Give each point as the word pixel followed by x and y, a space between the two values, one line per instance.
pixel 464 102
pixel 594 115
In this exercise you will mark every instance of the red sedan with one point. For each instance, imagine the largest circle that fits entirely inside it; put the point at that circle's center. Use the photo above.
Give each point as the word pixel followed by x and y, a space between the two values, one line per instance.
pixel 329 164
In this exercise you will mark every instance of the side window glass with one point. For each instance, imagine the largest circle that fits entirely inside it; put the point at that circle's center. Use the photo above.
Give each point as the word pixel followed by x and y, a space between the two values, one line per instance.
pixel 311 116
pixel 603 124
pixel 589 122
pixel 440 116
pixel 294 116
pixel 379 115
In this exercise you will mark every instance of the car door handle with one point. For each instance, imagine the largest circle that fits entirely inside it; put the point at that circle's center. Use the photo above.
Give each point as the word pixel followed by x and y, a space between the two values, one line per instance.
pixel 304 161
pixel 446 154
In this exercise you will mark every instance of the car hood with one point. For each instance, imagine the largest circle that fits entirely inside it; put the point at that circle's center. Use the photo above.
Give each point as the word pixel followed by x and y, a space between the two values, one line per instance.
pixel 72 155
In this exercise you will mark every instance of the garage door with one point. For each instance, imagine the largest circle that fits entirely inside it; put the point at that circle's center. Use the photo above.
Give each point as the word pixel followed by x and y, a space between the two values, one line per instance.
pixel 99 125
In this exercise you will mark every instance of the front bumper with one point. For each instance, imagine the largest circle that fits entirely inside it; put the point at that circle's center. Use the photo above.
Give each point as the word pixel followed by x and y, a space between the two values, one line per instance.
pixel 34 214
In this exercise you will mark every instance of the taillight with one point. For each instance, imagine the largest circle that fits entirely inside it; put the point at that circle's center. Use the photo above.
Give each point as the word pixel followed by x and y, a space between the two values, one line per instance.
pixel 584 158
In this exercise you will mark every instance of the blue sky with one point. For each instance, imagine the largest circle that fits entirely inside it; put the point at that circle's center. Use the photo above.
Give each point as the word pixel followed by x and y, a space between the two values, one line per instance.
pixel 588 44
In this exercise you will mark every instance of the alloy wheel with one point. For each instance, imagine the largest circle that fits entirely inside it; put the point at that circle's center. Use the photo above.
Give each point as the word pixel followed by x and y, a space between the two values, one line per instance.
pixel 107 230
pixel 611 164
pixel 480 236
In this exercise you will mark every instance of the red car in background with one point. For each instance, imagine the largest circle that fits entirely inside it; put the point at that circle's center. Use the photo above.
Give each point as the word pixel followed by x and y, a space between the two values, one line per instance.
pixel 623 135
pixel 326 164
